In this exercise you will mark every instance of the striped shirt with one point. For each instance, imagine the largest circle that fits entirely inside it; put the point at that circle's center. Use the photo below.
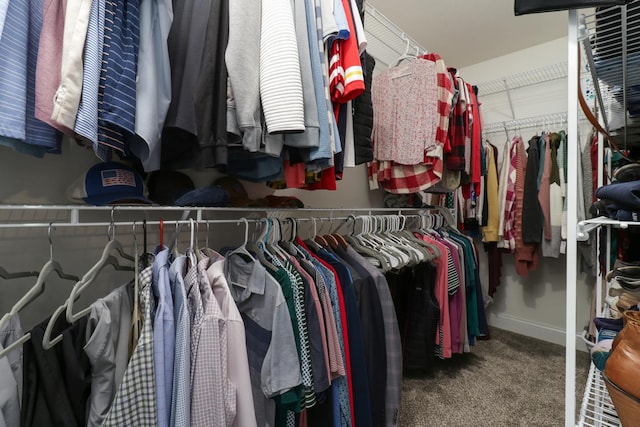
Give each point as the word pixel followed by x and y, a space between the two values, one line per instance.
pixel 87 119
pixel 117 93
pixel 299 301
pixel 19 53
pixel 280 78
pixel 320 78
pixel 4 5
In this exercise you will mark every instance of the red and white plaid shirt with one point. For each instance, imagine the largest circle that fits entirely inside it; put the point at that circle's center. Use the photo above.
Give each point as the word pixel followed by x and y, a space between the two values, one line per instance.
pixel 508 238
pixel 445 97
pixel 405 179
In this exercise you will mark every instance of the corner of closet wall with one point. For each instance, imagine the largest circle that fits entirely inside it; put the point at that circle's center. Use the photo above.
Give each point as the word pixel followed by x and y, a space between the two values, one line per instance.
pixel 532 305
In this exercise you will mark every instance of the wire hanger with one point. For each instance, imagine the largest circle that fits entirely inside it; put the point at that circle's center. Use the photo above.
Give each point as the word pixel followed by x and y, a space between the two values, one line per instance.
pixel 33 293
pixel 107 258
pixel 257 248
pixel 17 275
pixel 406 54
pixel 135 318
pixel 242 249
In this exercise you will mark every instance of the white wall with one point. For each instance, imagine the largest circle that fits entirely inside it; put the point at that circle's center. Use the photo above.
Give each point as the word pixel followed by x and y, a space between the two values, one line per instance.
pixel 534 305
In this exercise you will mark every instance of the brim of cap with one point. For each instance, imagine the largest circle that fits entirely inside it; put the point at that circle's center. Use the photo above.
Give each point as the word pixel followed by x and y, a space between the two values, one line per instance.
pixel 115 199
pixel 206 196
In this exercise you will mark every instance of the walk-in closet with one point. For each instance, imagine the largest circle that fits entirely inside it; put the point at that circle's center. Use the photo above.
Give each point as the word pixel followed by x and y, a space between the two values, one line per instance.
pixel 316 213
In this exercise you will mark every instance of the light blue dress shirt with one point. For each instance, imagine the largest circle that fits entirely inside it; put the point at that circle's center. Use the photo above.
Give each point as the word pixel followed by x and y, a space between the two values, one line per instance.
pixel 164 336
pixel 340 15
pixel 153 83
pixel 323 151
pixel 87 118
pixel 181 391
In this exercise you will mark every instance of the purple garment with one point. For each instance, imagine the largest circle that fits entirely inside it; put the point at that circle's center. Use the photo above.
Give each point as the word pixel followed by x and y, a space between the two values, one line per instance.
pixel 455 300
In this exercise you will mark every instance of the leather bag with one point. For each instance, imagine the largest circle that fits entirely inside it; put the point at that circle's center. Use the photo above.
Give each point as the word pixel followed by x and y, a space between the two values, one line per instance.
pixel 524 7
pixel 622 369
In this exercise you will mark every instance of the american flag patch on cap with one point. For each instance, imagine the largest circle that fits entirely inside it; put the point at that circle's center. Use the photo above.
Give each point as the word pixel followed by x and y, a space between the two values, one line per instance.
pixel 118 177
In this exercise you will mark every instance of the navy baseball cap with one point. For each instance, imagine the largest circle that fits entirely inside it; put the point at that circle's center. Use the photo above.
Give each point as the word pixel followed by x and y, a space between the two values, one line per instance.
pixel 109 183
pixel 173 188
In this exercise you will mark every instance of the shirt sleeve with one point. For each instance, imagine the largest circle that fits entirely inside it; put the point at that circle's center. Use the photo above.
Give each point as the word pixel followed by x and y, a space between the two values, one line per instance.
pixel 277 373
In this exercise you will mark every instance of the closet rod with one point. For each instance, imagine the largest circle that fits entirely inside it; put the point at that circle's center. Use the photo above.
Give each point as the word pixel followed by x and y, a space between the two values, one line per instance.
pixel 148 208
pixel 180 222
pixel 124 223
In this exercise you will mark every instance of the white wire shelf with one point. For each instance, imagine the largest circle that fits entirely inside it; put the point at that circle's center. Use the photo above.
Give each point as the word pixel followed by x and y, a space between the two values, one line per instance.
pixel 597 409
pixel 552 120
pixel 528 78
pixel 584 227
pixel 386 42
pixel 612 50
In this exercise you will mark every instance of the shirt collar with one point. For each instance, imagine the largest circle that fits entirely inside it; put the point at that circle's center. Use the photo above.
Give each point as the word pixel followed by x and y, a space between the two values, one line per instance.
pixel 239 265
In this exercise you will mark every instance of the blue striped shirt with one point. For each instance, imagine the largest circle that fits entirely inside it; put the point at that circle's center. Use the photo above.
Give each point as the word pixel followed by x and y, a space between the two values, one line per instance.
pixel 87 119
pixel 19 128
pixel 4 5
pixel 117 93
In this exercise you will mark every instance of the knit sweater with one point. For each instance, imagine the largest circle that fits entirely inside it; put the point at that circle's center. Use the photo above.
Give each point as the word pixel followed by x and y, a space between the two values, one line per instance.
pixel 490 232
pixel 526 253
pixel 543 191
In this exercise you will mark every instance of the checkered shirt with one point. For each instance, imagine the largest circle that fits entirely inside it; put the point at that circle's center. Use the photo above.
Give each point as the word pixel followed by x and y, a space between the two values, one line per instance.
pixel 445 97
pixel 213 397
pixel 405 179
pixel 336 364
pixel 341 382
pixel 135 401
pixel 457 134
pixel 196 311
pixel 508 230
pixel 305 360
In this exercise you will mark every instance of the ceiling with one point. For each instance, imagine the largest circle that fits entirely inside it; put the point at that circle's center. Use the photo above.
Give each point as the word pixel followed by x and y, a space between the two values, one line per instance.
pixel 466 32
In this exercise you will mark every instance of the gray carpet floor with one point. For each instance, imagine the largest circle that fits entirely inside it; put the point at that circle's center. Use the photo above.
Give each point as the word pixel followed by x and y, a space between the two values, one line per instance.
pixel 509 380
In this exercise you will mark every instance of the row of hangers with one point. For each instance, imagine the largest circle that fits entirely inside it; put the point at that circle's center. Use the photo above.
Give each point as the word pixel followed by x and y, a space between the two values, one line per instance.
pixel 385 240
pixel 543 127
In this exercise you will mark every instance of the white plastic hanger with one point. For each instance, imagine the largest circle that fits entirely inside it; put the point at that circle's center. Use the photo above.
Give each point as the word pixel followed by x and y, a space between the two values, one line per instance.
pixel 405 55
pixel 18 275
pixel 274 244
pixel 258 248
pixel 107 258
pixel 37 289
